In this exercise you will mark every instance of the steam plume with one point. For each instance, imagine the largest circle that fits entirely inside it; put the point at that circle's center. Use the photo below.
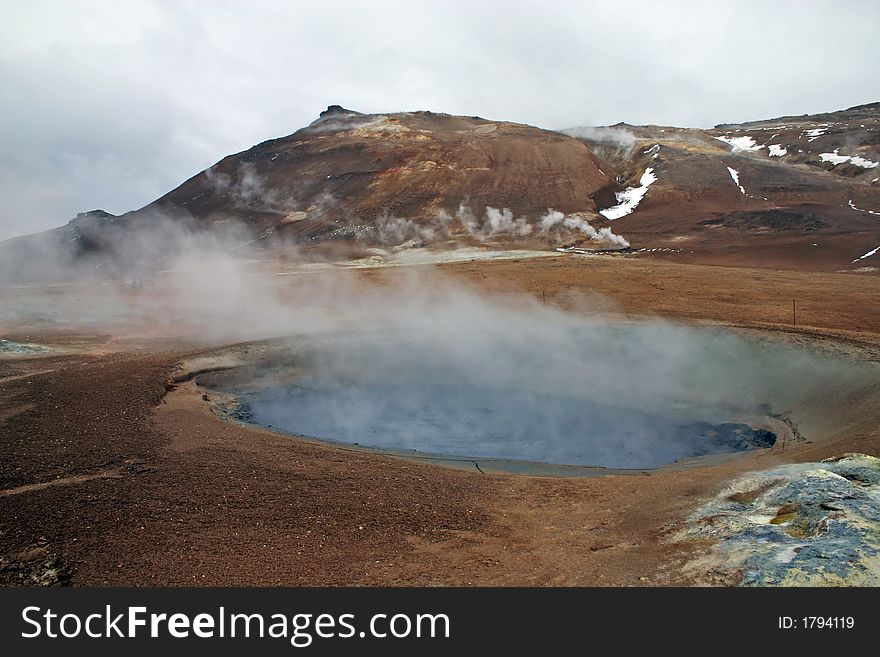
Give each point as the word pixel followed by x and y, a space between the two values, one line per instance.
pixel 555 220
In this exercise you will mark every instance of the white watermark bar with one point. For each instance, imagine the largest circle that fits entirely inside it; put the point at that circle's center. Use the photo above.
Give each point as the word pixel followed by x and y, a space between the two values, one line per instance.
pixel 301 629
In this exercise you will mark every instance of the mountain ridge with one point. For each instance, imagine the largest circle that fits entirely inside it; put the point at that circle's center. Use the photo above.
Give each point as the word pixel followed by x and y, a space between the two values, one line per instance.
pixel 689 193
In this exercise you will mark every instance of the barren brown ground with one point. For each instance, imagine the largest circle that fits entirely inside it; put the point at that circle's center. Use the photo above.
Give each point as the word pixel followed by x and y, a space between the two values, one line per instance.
pixel 108 478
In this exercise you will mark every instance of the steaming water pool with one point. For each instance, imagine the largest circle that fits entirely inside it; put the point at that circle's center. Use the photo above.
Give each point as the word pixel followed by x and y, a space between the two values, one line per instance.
pixel 480 422
pixel 568 393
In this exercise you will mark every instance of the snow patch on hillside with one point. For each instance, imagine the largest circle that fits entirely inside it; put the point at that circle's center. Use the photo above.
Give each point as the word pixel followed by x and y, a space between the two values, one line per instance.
pixel 628 199
pixel 735 175
pixel 862 162
pixel 868 254
pixel 776 150
pixel 836 158
pixel 853 206
pixel 740 143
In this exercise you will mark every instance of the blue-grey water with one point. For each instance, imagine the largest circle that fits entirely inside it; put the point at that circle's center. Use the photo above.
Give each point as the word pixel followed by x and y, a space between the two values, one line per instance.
pixel 487 422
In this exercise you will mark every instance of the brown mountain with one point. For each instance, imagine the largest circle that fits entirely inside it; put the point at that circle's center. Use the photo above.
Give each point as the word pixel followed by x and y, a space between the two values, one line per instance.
pixel 335 181
pixel 348 168
pixel 799 192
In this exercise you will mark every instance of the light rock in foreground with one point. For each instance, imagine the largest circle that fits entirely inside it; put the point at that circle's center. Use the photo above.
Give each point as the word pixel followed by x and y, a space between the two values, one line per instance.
pixel 806 524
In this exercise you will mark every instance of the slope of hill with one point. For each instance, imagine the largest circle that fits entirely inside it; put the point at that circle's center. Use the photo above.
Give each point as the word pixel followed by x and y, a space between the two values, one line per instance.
pixel 351 168
pixel 350 177
pixel 799 192
pixel 793 192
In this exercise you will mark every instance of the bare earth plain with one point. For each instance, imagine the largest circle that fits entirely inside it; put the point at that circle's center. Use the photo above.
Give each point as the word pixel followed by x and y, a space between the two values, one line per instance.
pixel 111 475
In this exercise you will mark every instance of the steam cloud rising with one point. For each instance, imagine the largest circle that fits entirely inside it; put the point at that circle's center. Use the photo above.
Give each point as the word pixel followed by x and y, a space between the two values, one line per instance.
pixel 542 367
pixel 554 220
pixel 494 223
pixel 616 138
pixel 430 365
pixel 553 373
pixel 98 245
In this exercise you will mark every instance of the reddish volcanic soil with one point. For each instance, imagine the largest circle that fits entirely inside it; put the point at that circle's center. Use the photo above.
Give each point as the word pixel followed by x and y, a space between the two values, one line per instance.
pixel 110 475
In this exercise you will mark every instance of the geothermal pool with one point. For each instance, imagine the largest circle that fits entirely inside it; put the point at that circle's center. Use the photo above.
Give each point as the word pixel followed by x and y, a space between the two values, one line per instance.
pixel 547 389
pixel 507 424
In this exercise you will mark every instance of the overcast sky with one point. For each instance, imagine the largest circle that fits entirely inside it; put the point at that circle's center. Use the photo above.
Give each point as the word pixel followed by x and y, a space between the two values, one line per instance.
pixel 110 104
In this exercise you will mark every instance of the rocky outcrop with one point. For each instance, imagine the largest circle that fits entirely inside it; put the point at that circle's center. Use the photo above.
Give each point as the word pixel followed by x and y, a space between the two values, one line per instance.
pixel 807 524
